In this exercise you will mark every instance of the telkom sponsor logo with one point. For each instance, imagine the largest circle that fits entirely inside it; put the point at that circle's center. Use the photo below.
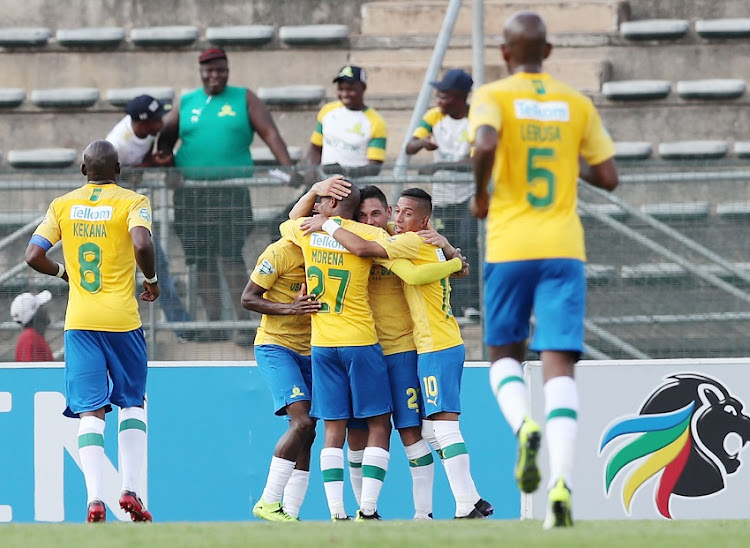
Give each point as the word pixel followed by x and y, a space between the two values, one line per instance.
pixel 88 213
pixel 542 111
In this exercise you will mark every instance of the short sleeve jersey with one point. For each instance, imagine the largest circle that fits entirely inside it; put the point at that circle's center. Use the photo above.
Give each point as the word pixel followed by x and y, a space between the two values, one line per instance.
pixel 543 127
pixel 350 138
pixel 94 223
pixel 131 149
pixel 280 270
pixel 435 328
pixel 340 281
pixel 393 322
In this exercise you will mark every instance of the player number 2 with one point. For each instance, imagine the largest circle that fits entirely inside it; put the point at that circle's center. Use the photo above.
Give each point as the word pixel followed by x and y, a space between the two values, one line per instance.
pixel 536 174
pixel 413 394
pixel 90 259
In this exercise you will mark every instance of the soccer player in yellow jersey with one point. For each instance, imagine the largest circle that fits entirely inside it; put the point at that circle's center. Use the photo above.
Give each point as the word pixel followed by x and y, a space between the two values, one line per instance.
pixel 105 230
pixel 276 289
pixel 530 132
pixel 438 340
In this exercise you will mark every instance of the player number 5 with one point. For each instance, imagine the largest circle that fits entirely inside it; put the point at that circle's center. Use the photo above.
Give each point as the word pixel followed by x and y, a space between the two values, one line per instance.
pixel 536 174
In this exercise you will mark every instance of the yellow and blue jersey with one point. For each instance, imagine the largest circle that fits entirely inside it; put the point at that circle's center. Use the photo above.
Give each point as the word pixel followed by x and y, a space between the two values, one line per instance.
pixel 340 281
pixel 280 270
pixel 434 326
pixel 543 125
pixel 94 223
pixel 350 138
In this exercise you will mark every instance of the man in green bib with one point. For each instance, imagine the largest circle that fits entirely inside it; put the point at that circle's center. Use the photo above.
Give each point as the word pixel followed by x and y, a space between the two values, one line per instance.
pixel 216 125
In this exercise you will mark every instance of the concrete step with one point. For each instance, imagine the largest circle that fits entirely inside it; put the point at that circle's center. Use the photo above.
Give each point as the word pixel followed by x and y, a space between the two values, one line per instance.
pixel 695 9
pixel 426 17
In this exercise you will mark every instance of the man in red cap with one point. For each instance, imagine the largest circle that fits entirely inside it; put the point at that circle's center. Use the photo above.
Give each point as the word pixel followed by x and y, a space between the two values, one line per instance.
pixel 216 125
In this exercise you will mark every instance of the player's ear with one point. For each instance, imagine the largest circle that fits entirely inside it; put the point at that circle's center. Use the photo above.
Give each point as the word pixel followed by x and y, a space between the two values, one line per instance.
pixel 117 168
pixel 547 49
pixel 83 169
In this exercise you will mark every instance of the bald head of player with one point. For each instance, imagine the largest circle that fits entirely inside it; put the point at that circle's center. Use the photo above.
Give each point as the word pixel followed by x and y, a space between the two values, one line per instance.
pixel 525 46
pixel 346 208
pixel 100 162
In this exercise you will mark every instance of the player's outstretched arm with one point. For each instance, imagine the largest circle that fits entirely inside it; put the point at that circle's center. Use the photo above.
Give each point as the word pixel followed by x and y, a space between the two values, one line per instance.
pixel 425 273
pixel 355 244
pixel 145 257
pixel 252 299
pixel 36 258
pixel 335 186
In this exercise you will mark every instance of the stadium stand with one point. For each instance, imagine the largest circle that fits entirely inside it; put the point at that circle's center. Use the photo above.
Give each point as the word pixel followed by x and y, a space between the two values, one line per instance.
pixel 238 35
pixel 91 37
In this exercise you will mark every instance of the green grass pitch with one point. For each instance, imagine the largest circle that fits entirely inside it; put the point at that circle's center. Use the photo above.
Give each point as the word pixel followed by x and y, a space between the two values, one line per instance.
pixel 386 534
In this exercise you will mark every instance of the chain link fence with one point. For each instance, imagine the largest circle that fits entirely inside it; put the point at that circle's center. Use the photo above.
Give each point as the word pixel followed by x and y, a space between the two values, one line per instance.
pixel 668 268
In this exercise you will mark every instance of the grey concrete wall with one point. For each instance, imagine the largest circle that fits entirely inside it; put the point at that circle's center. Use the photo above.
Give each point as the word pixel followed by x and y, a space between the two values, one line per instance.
pixel 688 9
pixel 202 13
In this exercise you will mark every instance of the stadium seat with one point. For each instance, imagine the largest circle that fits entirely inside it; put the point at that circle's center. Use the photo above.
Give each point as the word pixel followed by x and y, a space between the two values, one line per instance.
pixel 682 211
pixel 655 29
pixel 680 150
pixel 20 37
pixel 721 272
pixel 42 157
pixel 122 96
pixel 313 34
pixel 600 273
pixel 248 35
pixel 174 36
pixel 65 97
pixel 636 90
pixel 292 95
pixel 742 149
pixel 733 210
pixel 723 28
pixel 264 156
pixel 727 88
pixel 633 150
pixel 653 272
pixel 611 210
pixel 91 37
pixel 11 97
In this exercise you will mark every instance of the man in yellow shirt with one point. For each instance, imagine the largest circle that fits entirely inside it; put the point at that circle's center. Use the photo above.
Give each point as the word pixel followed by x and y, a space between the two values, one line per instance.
pixel 529 132
pixel 105 230
pixel 276 289
pixel 438 340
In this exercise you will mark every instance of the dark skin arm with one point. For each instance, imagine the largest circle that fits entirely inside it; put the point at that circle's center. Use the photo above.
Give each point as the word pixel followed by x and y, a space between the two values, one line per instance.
pixel 416 144
pixel 252 299
pixel 36 258
pixel 143 247
pixel 485 145
pixel 170 131
pixel 263 124
pixel 602 175
pixel 359 246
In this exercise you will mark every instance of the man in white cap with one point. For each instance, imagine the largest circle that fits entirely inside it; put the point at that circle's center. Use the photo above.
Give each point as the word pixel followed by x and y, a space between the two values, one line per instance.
pixel 27 309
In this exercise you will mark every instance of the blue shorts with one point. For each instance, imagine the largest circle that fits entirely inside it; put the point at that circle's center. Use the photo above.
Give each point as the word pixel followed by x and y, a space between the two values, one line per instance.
pixel 288 374
pixel 350 381
pixel 441 373
pixel 402 374
pixel 103 368
pixel 555 289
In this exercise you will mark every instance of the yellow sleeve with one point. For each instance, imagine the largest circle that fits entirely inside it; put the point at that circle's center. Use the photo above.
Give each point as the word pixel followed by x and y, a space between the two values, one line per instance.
pixel 286 229
pixel 426 273
pixel 428 122
pixel 484 111
pixel 140 213
pixel 317 136
pixel 49 228
pixel 596 145
pixel 266 270
pixel 402 246
pixel 379 137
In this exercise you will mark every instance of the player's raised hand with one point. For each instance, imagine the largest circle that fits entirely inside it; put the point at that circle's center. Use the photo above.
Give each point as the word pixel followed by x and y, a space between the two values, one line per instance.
pixel 152 291
pixel 313 224
pixel 335 186
pixel 480 205
pixel 304 303
pixel 465 266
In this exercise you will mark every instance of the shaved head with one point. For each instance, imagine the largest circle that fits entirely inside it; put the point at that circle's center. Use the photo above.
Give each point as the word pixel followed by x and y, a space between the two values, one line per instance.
pixel 100 161
pixel 525 35
pixel 348 207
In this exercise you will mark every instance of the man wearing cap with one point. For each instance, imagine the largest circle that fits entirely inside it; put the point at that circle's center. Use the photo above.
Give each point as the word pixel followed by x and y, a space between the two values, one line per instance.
pixel 216 125
pixel 444 130
pixel 27 309
pixel 349 137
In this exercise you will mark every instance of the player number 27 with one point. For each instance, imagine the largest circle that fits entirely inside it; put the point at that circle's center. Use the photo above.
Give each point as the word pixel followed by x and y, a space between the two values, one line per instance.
pixel 536 174
pixel 90 259
pixel 336 274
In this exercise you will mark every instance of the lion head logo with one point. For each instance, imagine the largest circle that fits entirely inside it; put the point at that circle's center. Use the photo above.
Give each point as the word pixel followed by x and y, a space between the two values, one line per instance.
pixel 681 432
